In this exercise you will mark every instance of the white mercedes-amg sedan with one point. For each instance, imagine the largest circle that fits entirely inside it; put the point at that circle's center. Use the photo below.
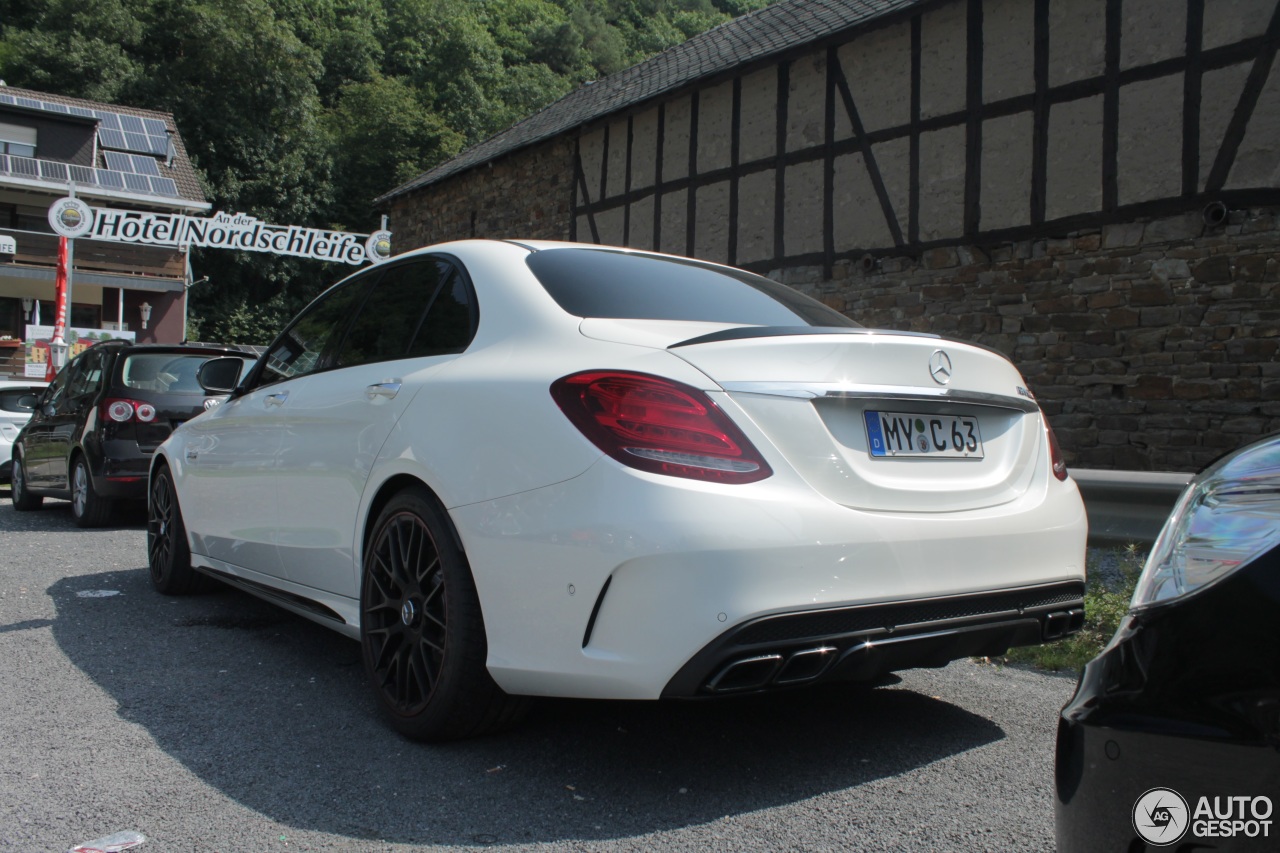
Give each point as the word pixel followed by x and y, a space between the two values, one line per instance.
pixel 516 469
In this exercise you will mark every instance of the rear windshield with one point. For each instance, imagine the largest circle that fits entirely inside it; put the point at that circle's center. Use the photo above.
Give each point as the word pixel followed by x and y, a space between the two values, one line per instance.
pixel 166 371
pixel 19 400
pixel 622 286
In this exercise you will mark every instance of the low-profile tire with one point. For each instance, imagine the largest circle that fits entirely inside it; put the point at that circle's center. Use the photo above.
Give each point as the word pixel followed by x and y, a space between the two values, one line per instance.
pixel 168 553
pixel 421 630
pixel 23 500
pixel 88 508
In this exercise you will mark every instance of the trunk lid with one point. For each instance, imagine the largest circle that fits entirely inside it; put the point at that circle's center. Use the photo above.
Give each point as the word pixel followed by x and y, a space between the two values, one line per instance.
pixel 860 415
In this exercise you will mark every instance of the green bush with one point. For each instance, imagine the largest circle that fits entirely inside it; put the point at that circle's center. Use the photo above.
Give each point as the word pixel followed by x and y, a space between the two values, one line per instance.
pixel 1112 575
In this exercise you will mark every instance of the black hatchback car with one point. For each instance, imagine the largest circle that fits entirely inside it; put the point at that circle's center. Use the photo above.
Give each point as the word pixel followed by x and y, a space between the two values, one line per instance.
pixel 93 431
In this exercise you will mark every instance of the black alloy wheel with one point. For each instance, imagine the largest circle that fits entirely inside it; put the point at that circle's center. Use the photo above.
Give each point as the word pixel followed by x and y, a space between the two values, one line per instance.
pixel 23 500
pixel 422 633
pixel 168 554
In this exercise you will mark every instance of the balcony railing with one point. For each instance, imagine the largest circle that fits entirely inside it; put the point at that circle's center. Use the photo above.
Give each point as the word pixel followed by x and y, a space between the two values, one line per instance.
pixel 37 249
pixel 57 173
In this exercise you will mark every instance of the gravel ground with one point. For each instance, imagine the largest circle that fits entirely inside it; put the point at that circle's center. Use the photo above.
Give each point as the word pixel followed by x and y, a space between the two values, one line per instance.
pixel 220 723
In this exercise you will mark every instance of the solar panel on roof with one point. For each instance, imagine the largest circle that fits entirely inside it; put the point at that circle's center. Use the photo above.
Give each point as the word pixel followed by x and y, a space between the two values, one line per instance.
pixel 159 145
pixel 118 162
pixel 132 124
pixel 138 183
pixel 108 138
pixel 4 164
pixel 81 174
pixel 144 165
pixel 164 186
pixel 107 178
pixel 108 120
pixel 29 103
pixel 155 127
pixel 82 111
pixel 136 141
pixel 24 166
pixel 7 99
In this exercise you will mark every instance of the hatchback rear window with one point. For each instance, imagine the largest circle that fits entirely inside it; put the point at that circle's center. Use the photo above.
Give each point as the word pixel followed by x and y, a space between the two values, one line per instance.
pixel 19 400
pixel 166 372
pixel 625 286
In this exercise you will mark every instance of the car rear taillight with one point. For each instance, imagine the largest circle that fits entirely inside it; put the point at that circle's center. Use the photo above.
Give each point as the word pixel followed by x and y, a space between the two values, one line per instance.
pixel 658 425
pixel 1055 453
pixel 122 411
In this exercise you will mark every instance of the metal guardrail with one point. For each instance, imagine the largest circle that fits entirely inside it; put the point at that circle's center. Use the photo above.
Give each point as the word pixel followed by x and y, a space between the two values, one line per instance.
pixel 1127 506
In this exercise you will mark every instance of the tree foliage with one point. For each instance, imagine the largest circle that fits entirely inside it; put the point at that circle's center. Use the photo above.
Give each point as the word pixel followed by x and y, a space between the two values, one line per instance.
pixel 303 111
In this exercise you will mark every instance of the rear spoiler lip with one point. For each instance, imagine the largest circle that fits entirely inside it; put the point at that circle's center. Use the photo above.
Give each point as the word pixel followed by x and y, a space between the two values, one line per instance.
pixel 884 393
pixel 747 332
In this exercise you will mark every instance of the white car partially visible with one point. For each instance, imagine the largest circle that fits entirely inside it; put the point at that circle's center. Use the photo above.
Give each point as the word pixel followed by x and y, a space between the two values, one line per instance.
pixel 519 469
pixel 17 401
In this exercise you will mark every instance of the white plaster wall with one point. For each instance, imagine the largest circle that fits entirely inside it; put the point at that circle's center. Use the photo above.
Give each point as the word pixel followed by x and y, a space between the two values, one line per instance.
pixel 1149 154
pixel 1008 49
pixel 759 115
pixel 1074 168
pixel 715 128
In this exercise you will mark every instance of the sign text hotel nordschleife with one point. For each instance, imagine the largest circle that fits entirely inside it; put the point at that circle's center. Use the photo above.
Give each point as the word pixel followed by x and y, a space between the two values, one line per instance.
pixel 71 217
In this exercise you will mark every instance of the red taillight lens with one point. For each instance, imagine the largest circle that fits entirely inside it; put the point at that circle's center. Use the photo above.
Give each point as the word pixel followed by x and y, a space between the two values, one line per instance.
pixel 658 425
pixel 1055 453
pixel 123 411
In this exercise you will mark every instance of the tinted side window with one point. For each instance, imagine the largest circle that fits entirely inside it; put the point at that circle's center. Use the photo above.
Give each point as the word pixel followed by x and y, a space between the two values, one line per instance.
pixel 87 378
pixel 392 313
pixel 620 285
pixel 308 343
pixel 56 394
pixel 450 323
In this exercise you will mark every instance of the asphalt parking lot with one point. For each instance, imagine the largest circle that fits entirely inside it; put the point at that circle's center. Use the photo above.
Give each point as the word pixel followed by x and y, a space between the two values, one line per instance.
pixel 219 723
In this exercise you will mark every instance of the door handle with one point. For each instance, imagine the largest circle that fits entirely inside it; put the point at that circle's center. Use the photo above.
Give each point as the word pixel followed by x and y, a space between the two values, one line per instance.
pixel 387 389
pixel 276 399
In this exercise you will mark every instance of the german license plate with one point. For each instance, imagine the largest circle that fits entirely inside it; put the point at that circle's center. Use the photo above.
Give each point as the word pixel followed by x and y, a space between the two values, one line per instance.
pixel 916 434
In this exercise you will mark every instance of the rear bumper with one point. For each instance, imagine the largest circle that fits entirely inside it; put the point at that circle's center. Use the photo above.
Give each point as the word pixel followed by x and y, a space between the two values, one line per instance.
pixel 623 585
pixel 121 470
pixel 863 643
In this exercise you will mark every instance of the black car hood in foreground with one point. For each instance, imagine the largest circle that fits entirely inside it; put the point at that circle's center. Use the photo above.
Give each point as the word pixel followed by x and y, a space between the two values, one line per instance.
pixel 1173 736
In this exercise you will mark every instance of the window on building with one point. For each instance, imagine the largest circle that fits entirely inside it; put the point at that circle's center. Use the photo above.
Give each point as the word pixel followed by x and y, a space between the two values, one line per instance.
pixel 15 139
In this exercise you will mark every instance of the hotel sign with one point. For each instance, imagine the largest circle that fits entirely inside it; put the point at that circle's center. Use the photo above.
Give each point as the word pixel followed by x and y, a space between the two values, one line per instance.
pixel 71 217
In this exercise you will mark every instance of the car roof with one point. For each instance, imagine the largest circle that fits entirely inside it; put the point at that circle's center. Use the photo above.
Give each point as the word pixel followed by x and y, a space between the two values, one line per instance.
pixel 191 347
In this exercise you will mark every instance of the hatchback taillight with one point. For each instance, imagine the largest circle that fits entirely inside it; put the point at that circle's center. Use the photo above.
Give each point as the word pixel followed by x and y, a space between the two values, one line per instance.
pixel 1055 453
pixel 658 425
pixel 122 411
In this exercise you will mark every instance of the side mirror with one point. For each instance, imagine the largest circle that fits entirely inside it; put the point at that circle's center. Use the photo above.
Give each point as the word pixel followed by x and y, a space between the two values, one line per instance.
pixel 220 375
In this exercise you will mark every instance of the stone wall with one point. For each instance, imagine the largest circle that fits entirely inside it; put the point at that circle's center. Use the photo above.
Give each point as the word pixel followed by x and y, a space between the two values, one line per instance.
pixel 1151 345
pixel 525 196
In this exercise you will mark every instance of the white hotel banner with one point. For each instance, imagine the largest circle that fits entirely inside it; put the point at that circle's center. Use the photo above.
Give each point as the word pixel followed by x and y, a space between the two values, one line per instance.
pixel 71 217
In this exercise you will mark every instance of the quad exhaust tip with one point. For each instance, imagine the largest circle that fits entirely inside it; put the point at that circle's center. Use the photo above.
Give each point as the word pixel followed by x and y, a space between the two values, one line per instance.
pixel 759 671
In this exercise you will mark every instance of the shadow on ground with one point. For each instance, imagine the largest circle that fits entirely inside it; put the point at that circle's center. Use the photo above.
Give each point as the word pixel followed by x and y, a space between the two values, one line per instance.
pixel 272 712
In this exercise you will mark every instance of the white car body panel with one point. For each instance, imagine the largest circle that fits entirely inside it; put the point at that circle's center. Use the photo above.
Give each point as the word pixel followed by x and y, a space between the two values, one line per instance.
pixel 681 561
pixel 547 520
pixel 11 423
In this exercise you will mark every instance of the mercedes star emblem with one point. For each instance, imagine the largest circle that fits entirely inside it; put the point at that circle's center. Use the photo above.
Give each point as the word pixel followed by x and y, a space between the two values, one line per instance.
pixel 940 367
